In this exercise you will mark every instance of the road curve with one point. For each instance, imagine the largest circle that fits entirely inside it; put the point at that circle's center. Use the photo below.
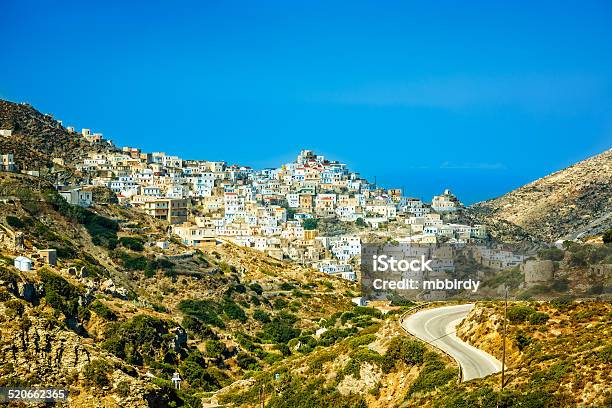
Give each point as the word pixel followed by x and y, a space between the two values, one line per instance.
pixel 437 327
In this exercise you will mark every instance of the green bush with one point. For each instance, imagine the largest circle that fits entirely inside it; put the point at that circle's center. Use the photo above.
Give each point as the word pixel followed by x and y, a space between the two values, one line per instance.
pixel 345 317
pixel 132 262
pixel 138 340
pixel 310 223
pixel 553 254
pixel 333 335
pixel 522 341
pixel 583 316
pixel 159 308
pixel 353 368
pixel 261 316
pixel 280 304
pixel 283 348
pixel 519 314
pixel 307 344
pixel 60 294
pixel 367 311
pixel 286 286
pixel 562 302
pixel 433 375
pixel 402 349
pixel 246 361
pixel 361 340
pixel 15 222
pixel 215 348
pixel 102 310
pixel 205 311
pixel 401 301
pixel 133 243
pixel 256 287
pixel 280 330
pixel 198 328
pixel 234 312
pixel 538 318
pixel 363 321
pixel 193 371
pixel 96 373
pixel 365 355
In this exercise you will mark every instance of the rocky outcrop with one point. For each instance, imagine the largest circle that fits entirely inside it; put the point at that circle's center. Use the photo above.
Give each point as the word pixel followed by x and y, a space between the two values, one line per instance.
pixel 36 139
pixel 41 351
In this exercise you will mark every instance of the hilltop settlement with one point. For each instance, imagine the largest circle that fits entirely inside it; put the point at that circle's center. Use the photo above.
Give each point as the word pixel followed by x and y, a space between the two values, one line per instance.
pixel 143 279
pixel 314 211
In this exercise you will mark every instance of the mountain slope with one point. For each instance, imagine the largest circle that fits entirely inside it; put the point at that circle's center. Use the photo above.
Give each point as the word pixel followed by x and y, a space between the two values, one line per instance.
pixel 38 138
pixel 117 316
pixel 567 204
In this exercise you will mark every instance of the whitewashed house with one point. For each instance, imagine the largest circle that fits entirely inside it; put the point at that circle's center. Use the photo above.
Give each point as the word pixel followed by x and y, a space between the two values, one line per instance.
pixel 23 264
pixel 77 196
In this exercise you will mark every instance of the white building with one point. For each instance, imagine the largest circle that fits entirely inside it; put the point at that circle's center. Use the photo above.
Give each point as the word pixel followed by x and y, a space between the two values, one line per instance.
pixel 23 264
pixel 293 200
pixel 346 247
pixel 77 196
pixel 7 162
pixel 447 202
pixel 233 203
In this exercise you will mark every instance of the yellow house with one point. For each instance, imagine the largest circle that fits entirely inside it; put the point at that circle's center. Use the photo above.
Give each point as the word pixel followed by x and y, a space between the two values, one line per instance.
pixel 310 234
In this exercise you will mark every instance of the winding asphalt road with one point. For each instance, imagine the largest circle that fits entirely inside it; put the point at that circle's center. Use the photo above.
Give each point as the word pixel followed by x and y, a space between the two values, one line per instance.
pixel 437 327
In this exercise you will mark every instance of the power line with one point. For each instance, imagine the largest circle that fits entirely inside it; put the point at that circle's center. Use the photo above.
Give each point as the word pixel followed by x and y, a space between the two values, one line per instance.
pixel 444 335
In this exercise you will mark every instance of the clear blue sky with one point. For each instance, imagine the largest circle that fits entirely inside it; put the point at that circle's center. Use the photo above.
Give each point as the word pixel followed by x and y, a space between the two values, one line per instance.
pixel 479 97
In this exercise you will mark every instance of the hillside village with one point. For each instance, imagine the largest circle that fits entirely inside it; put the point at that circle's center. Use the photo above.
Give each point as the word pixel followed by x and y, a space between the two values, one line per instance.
pixel 204 269
pixel 314 211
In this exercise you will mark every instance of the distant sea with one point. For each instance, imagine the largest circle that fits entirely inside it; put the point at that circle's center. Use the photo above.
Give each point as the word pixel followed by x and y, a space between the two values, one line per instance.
pixel 469 185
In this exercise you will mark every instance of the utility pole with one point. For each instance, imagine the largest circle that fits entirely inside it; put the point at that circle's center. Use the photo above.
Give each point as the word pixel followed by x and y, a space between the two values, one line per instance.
pixel 504 338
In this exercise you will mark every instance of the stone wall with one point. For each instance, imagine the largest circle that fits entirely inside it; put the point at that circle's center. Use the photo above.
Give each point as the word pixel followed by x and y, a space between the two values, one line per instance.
pixel 538 272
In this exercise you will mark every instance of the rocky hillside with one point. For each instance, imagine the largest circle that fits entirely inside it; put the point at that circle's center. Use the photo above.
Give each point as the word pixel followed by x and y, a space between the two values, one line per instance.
pixel 570 203
pixel 379 367
pixel 558 353
pixel 117 315
pixel 38 138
